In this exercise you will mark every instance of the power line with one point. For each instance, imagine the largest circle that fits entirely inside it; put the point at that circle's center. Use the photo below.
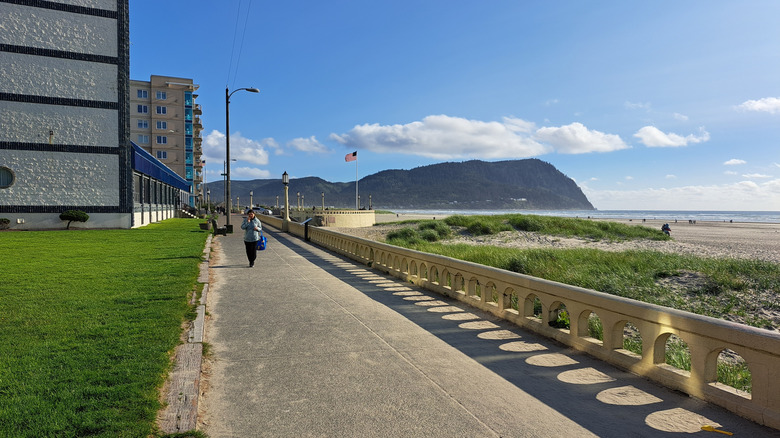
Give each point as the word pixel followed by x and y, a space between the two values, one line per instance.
pixel 233 47
pixel 241 47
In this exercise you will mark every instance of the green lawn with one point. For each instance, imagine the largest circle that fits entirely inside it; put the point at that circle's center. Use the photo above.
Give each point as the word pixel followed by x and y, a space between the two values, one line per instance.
pixel 89 319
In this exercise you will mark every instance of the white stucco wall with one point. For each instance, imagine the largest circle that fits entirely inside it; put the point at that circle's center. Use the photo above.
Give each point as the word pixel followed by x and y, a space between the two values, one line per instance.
pixel 57 77
pixel 107 5
pixel 60 178
pixel 57 30
pixel 31 123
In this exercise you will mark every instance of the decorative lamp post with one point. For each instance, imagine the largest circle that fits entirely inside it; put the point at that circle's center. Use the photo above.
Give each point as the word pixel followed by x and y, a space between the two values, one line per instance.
pixel 251 201
pixel 277 201
pixel 323 201
pixel 208 199
pixel 227 149
pixel 298 202
pixel 286 181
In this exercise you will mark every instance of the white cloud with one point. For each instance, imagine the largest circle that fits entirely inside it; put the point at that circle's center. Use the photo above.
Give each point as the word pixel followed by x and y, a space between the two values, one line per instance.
pixel 241 148
pixel 671 176
pixel 651 136
pixel 444 137
pixel 307 145
pixel 577 139
pixel 249 173
pixel 768 104
pixel 734 162
pixel 629 178
pixel 730 172
pixel 637 105
pixel 756 176
pixel 744 195
pixel 681 117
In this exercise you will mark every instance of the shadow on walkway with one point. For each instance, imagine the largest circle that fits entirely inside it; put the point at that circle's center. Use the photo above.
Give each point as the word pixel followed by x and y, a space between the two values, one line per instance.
pixel 555 374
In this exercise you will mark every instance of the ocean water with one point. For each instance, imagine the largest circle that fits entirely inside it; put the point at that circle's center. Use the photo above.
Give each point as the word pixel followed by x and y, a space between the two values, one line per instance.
pixel 670 215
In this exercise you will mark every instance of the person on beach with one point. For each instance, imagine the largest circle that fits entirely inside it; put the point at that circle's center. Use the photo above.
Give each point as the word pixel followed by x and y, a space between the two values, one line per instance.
pixel 252 229
pixel 666 229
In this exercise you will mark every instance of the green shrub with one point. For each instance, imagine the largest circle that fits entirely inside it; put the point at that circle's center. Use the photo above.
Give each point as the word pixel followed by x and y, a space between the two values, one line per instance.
pixel 526 223
pixel 442 230
pixel 457 221
pixel 429 235
pixel 74 216
pixel 404 237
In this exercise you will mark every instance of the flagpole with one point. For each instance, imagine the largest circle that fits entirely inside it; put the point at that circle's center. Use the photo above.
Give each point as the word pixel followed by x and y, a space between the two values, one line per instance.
pixel 357 207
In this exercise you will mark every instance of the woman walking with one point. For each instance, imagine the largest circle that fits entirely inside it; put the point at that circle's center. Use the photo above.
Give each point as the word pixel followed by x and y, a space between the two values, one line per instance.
pixel 252 229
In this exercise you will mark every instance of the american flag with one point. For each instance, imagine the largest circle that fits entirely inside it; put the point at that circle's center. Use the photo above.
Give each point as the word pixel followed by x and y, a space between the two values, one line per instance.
pixel 351 157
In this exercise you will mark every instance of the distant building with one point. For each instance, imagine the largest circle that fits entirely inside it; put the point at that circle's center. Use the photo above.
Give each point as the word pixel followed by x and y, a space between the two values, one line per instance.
pixel 65 120
pixel 165 121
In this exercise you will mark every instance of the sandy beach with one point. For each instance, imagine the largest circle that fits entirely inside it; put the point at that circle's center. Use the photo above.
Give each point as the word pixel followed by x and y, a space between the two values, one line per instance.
pixel 749 240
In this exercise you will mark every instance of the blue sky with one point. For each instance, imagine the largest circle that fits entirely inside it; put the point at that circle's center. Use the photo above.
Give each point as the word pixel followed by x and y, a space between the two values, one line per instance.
pixel 664 105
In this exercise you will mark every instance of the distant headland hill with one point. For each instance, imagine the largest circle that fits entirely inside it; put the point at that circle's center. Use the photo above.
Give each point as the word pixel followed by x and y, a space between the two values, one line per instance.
pixel 529 184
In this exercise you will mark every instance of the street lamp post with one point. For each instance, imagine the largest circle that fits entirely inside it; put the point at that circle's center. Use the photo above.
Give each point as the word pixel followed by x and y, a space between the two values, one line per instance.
pixel 323 201
pixel 286 181
pixel 251 201
pixel 227 147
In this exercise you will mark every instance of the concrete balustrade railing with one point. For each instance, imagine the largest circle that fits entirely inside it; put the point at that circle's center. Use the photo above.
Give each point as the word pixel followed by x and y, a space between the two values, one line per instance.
pixel 494 290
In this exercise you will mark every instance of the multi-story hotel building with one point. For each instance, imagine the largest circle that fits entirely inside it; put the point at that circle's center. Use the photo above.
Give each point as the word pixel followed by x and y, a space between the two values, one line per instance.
pixel 165 121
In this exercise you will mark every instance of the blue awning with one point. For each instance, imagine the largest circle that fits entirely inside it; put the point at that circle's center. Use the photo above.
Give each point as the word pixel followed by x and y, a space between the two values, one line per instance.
pixel 145 163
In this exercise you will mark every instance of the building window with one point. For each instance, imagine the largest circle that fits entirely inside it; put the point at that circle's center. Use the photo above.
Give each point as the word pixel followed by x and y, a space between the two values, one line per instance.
pixel 162 95
pixel 162 109
pixel 143 109
pixel 162 155
pixel 143 139
pixel 143 124
pixel 161 139
pixel 7 177
pixel 143 94
pixel 162 125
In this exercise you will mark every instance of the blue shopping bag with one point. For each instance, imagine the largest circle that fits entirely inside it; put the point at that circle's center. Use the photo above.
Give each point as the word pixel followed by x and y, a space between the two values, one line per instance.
pixel 261 243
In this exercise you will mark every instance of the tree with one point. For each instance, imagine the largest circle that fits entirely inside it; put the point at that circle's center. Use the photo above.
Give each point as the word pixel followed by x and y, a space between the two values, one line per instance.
pixel 73 215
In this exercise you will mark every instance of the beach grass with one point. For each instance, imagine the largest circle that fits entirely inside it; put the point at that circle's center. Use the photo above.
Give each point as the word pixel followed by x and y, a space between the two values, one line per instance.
pixel 89 321
pixel 480 225
pixel 733 289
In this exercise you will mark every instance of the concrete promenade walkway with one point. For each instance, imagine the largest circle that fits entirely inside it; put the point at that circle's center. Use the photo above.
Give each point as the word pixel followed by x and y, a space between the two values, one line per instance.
pixel 310 344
